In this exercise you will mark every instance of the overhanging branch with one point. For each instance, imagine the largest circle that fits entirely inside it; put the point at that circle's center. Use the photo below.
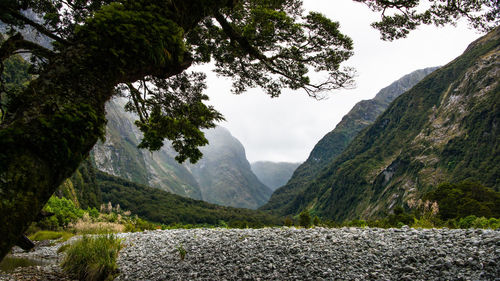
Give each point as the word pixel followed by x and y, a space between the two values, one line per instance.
pixel 17 42
pixel 40 28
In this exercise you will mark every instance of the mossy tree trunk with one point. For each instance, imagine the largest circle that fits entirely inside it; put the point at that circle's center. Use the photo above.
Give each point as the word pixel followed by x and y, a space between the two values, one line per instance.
pixel 60 116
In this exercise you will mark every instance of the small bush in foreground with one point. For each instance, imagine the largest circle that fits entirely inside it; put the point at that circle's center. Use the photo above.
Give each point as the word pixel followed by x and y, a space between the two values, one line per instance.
pixel 182 251
pixel 92 258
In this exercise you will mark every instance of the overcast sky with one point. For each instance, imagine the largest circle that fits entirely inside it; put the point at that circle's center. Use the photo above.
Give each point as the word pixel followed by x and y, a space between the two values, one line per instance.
pixel 285 129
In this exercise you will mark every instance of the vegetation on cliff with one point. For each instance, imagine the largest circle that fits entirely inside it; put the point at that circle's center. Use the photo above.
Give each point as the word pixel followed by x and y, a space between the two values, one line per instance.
pixel 363 114
pixel 442 130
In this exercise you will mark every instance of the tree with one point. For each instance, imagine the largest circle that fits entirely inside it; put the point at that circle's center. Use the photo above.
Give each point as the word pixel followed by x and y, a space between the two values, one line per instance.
pixel 141 49
pixel 305 219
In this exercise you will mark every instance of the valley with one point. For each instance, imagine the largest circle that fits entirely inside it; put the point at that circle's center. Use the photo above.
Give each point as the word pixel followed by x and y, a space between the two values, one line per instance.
pixel 444 129
pixel 115 163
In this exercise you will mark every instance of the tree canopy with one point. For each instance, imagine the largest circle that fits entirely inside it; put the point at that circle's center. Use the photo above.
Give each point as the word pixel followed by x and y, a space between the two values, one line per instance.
pixel 141 49
pixel 271 44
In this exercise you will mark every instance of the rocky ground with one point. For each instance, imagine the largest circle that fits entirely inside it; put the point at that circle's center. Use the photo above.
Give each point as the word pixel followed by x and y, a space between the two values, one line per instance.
pixel 297 254
pixel 46 260
pixel 312 254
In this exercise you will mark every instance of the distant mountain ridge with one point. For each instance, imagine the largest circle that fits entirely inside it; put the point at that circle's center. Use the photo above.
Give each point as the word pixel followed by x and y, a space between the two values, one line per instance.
pixel 334 143
pixel 274 174
pixel 223 176
pixel 445 129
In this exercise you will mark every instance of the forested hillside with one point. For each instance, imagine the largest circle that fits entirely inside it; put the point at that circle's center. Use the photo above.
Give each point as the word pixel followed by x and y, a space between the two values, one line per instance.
pixel 89 187
pixel 163 207
pixel 445 129
pixel 334 143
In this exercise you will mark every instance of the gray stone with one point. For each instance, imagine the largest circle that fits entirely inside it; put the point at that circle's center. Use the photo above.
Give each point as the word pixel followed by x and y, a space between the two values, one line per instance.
pixel 310 254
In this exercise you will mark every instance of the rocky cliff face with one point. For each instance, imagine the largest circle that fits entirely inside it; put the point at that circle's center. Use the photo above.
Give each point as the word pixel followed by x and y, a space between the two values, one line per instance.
pixel 224 173
pixel 223 176
pixel 446 128
pixel 120 156
pixel 334 143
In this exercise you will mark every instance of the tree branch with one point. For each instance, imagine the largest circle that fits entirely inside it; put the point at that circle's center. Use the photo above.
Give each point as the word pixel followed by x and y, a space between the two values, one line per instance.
pixel 40 28
pixel 311 89
pixel 136 98
pixel 17 42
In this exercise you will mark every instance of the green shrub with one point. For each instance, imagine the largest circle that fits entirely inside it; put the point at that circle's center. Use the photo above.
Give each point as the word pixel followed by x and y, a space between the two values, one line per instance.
pixel 93 212
pixel 223 224
pixel 305 219
pixel 481 222
pixel 356 223
pixel 399 218
pixel 49 223
pixel 92 258
pixel 424 222
pixel 494 223
pixel 182 251
pixel 467 222
pixel 316 221
pixel 475 222
pixel 381 223
pixel 64 210
pixel 237 224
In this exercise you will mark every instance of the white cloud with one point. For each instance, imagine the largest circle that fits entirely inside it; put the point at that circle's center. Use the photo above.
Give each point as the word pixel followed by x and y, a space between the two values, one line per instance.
pixel 288 127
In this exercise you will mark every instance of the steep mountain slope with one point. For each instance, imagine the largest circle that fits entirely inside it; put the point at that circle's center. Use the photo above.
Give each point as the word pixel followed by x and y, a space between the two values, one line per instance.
pixel 120 156
pixel 274 174
pixel 224 174
pixel 81 187
pixel 446 128
pixel 334 143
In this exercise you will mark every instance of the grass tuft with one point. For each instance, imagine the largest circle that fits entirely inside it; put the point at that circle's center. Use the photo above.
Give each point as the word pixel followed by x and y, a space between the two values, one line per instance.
pixel 92 258
pixel 50 235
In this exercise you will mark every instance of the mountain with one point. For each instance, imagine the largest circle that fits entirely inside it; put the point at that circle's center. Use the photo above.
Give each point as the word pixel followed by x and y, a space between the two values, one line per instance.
pixel 335 142
pixel 119 156
pixel 445 129
pixel 224 174
pixel 273 174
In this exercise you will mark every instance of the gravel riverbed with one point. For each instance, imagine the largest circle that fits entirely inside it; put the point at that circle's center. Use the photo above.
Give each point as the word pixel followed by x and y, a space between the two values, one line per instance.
pixel 311 254
pixel 290 254
pixel 46 263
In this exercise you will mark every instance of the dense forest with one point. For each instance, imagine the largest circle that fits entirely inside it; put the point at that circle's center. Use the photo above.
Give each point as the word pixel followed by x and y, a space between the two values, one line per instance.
pixel 160 206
